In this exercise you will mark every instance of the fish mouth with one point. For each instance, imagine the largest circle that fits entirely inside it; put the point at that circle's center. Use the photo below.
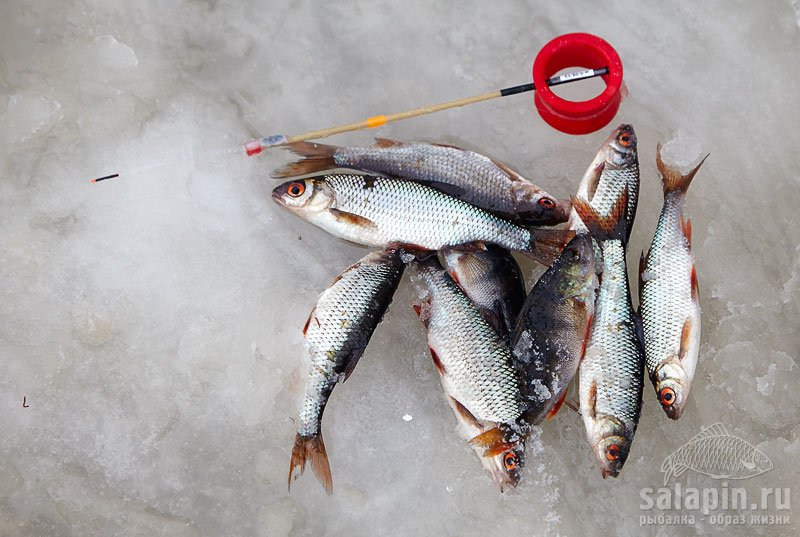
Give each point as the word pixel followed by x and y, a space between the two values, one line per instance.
pixel 608 472
pixel 673 411
pixel 277 197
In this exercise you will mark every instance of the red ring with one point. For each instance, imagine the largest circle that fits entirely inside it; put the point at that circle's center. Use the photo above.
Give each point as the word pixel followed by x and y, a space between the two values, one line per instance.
pixel 577 50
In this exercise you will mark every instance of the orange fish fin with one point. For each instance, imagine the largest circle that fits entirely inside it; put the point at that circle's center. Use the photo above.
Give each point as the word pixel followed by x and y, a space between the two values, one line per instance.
pixel 671 178
pixel 686 338
pixel 686 226
pixel 603 227
pixel 592 400
pixel 316 158
pixel 353 219
pixel 556 407
pixel 310 449
pixel 586 335
pixel 695 289
pixel 468 416
pixel 387 142
pixel 494 440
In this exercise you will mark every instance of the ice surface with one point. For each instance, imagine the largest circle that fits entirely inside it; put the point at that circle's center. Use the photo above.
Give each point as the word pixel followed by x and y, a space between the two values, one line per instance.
pixel 152 322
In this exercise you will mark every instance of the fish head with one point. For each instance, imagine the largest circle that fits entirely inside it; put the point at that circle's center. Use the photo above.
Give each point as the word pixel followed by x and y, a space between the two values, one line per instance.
pixel 611 441
pixel 536 206
pixel 760 462
pixel 619 150
pixel 505 467
pixel 672 385
pixel 304 196
pixel 576 264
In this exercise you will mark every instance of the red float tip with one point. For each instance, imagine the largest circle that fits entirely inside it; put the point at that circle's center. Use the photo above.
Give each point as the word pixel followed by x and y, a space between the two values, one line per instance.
pixel 253 148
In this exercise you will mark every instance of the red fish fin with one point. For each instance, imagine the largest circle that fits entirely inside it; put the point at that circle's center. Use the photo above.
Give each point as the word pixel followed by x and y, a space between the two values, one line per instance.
pixel 308 321
pixel 671 178
pixel 686 338
pixel 592 400
pixel 695 289
pixel 310 449
pixel 353 219
pixel 437 362
pixel 547 244
pixel 686 226
pixel 316 158
pixel 556 407
pixel 462 411
pixel 604 227
pixel 387 142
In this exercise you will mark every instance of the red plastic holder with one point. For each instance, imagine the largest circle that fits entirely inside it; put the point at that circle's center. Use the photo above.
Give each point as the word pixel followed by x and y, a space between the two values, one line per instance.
pixel 577 50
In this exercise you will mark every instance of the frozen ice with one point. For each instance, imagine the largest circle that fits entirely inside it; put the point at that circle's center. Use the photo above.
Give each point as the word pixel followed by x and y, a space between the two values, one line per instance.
pixel 152 322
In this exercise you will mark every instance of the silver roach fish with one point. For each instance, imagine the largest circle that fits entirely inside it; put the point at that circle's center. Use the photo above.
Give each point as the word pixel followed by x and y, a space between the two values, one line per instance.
pixel 551 332
pixel 611 373
pixel 476 371
pixel 466 175
pixel 337 332
pixel 615 167
pixel 382 211
pixel 669 302
pixel 718 454
pixel 491 278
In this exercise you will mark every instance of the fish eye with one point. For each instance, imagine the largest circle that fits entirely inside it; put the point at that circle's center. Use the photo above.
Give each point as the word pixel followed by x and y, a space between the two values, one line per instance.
pixel 547 203
pixel 510 461
pixel 576 255
pixel 296 189
pixel 666 396
pixel 624 139
pixel 612 452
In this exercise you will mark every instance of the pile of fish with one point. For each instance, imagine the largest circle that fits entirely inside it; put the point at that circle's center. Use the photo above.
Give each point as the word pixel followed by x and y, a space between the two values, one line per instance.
pixel 507 358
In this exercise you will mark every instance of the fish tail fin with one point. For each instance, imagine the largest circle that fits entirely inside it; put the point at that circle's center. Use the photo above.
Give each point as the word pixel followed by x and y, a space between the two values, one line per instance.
pixel 671 178
pixel 546 244
pixel 604 227
pixel 316 158
pixel 310 449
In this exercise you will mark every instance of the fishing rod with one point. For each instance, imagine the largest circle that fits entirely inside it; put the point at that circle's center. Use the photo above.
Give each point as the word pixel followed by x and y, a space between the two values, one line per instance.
pixel 571 117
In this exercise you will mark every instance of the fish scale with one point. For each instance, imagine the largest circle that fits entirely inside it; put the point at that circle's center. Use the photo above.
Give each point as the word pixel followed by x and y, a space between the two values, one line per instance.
pixel 613 356
pixel 408 212
pixel 340 327
pixel 427 162
pixel 667 289
pixel 476 362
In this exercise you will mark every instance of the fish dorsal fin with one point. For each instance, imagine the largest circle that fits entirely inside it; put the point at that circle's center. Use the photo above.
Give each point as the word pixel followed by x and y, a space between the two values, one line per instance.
pixel 448 146
pixel 468 416
pixel 387 142
pixel 508 171
pixel 353 219
pixel 594 182
pixel 352 361
pixel 712 431
pixel 642 265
